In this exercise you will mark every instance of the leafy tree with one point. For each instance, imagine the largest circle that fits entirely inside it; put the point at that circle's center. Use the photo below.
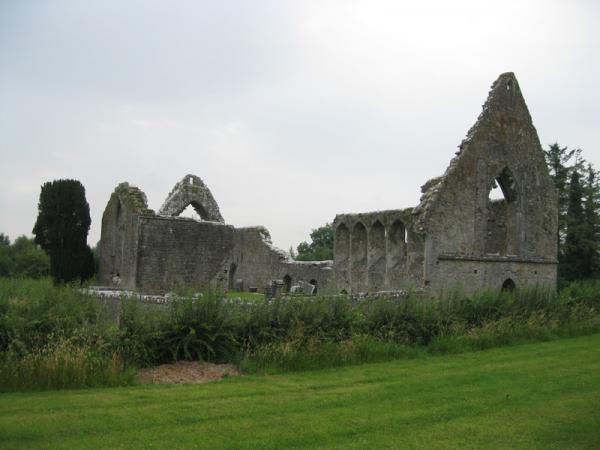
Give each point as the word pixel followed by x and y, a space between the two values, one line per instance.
pixel 321 246
pixel 28 259
pixel 62 227
pixel 24 258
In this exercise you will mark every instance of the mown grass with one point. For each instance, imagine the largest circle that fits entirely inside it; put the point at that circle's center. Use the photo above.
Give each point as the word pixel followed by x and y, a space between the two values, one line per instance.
pixel 58 337
pixel 542 395
pixel 245 296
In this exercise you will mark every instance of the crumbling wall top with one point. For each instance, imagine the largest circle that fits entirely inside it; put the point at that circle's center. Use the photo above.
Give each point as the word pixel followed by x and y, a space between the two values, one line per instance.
pixel 191 190
pixel 385 217
pixel 503 121
pixel 133 197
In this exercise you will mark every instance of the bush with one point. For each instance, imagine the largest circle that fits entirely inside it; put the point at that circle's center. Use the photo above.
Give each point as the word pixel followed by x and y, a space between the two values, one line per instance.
pixel 29 260
pixel 23 259
pixel 33 310
pixel 188 329
pixel 67 335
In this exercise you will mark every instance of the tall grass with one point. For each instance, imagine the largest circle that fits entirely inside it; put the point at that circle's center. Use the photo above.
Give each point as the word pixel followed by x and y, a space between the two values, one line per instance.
pixel 332 332
pixel 30 310
pixel 57 336
pixel 63 363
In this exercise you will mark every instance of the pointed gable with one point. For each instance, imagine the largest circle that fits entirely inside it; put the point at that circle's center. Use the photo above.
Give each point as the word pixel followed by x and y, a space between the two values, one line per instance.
pixel 501 149
pixel 191 190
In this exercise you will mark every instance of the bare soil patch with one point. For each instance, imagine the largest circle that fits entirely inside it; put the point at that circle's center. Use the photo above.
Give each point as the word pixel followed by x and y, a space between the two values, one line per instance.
pixel 186 372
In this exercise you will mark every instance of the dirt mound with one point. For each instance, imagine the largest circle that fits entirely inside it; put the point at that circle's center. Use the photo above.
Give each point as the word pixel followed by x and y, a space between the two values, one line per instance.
pixel 186 372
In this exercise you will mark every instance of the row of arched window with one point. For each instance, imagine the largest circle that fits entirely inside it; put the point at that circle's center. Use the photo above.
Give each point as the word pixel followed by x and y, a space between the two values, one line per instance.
pixel 367 255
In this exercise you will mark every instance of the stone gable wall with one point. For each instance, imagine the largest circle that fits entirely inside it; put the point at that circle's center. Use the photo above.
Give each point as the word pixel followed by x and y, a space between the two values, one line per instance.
pixel 502 148
pixel 191 190
pixel 457 235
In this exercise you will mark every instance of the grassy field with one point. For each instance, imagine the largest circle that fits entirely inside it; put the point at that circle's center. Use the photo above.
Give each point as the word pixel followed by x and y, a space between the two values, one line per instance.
pixel 246 296
pixel 544 395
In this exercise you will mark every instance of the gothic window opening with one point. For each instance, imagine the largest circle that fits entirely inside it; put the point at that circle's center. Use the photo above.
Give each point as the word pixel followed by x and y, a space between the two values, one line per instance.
pixel 501 215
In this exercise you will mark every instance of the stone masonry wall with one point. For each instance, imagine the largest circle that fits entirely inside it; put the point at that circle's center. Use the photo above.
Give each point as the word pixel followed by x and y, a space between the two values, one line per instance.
pixel 377 251
pixel 176 252
pixel 191 190
pixel 255 261
pixel 119 236
pixel 460 220
pixel 473 274
pixel 457 235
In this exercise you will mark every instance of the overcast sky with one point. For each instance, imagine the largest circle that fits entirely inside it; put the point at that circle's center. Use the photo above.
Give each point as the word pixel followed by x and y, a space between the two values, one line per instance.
pixel 290 112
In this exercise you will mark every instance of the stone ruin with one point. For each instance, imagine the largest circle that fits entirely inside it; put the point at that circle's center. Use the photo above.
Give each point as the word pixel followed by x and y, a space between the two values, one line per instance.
pixel 157 252
pixel 456 236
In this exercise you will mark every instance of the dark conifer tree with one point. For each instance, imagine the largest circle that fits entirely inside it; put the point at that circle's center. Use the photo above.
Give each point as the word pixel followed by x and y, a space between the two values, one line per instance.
pixel 62 227
pixel 5 255
pixel 591 197
pixel 559 161
pixel 574 264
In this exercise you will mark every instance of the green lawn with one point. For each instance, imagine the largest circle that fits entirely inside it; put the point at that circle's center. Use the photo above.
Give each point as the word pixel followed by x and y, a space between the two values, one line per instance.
pixel 531 396
pixel 246 296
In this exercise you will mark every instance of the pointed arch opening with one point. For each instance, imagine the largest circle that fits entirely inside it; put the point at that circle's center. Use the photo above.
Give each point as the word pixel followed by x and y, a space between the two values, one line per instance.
pixel 341 253
pixel 358 257
pixel 287 284
pixel 501 215
pixel 191 191
pixel 194 210
pixel 314 283
pixel 396 252
pixel 376 257
pixel 232 270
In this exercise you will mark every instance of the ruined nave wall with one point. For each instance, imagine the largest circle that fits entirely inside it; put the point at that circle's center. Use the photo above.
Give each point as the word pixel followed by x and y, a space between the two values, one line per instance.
pixel 256 262
pixel 377 251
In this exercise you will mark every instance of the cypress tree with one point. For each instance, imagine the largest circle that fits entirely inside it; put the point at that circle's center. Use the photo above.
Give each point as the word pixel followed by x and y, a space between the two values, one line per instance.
pixel 62 227
pixel 6 262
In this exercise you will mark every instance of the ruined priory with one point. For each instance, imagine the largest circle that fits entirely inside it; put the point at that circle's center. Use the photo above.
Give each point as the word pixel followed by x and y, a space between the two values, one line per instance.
pixel 456 235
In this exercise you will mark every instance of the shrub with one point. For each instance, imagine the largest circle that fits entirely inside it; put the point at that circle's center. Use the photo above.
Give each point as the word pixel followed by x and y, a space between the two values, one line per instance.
pixel 23 259
pixel 61 331
pixel 32 310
